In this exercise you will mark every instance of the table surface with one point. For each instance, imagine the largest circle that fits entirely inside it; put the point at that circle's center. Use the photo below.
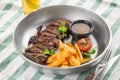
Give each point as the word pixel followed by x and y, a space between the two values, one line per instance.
pixel 13 67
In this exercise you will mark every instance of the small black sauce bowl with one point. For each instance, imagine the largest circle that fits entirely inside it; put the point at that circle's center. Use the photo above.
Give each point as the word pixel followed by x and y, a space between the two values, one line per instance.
pixel 76 36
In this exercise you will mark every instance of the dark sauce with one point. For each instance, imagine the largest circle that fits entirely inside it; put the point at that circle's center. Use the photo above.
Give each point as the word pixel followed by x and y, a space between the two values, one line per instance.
pixel 80 28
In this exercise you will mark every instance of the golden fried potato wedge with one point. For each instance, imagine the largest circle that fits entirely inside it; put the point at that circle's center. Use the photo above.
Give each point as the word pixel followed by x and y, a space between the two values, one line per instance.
pixel 69 44
pixel 68 55
pixel 78 51
pixel 56 63
pixel 61 45
pixel 73 61
pixel 65 64
pixel 71 49
pixel 51 59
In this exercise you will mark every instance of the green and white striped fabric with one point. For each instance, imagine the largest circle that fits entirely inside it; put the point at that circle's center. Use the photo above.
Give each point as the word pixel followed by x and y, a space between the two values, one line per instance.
pixel 13 67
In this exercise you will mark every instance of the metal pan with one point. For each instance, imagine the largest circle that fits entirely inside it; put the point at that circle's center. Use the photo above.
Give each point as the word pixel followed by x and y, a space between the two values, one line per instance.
pixel 101 35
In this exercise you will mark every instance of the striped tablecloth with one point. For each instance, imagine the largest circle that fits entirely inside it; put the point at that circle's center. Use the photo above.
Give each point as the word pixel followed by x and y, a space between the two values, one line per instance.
pixel 13 67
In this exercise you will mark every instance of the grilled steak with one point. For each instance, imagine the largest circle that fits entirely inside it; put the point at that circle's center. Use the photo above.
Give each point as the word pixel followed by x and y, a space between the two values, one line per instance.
pixel 45 39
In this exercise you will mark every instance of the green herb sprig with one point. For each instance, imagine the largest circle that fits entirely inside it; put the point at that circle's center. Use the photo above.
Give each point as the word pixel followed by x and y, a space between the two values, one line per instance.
pixel 62 29
pixel 45 51
pixel 89 53
pixel 49 52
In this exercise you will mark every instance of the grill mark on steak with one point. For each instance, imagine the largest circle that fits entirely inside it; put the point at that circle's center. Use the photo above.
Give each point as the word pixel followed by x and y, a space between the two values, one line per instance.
pixel 38 58
pixel 56 24
pixel 47 34
pixel 52 27
pixel 46 39
pixel 66 21
pixel 54 32
pixel 33 50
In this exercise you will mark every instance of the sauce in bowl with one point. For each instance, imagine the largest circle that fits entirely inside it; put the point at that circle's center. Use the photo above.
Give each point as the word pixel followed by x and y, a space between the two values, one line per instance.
pixel 80 28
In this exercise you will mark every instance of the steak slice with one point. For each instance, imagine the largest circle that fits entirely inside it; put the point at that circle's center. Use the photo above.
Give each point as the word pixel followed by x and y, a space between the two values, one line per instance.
pixel 54 32
pixel 66 21
pixel 38 58
pixel 56 24
pixel 33 49
pixel 47 34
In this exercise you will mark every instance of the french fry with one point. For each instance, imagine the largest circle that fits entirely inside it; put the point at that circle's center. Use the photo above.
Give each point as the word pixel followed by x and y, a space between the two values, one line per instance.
pixel 65 64
pixel 69 55
pixel 56 63
pixel 61 45
pixel 73 61
pixel 77 57
pixel 58 58
pixel 69 44
pixel 51 59
pixel 71 49
pixel 79 53
pixel 66 53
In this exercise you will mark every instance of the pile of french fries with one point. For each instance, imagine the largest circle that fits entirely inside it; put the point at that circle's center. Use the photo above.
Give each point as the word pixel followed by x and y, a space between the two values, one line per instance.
pixel 67 56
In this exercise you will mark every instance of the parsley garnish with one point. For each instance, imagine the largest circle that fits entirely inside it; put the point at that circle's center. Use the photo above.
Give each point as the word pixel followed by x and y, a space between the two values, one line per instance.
pixel 49 52
pixel 62 29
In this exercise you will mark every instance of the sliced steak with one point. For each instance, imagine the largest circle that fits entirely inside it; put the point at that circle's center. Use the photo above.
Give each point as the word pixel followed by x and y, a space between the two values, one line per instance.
pixel 46 39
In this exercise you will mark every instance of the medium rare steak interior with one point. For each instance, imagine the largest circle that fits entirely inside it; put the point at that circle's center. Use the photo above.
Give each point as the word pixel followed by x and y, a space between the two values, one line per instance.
pixel 45 39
